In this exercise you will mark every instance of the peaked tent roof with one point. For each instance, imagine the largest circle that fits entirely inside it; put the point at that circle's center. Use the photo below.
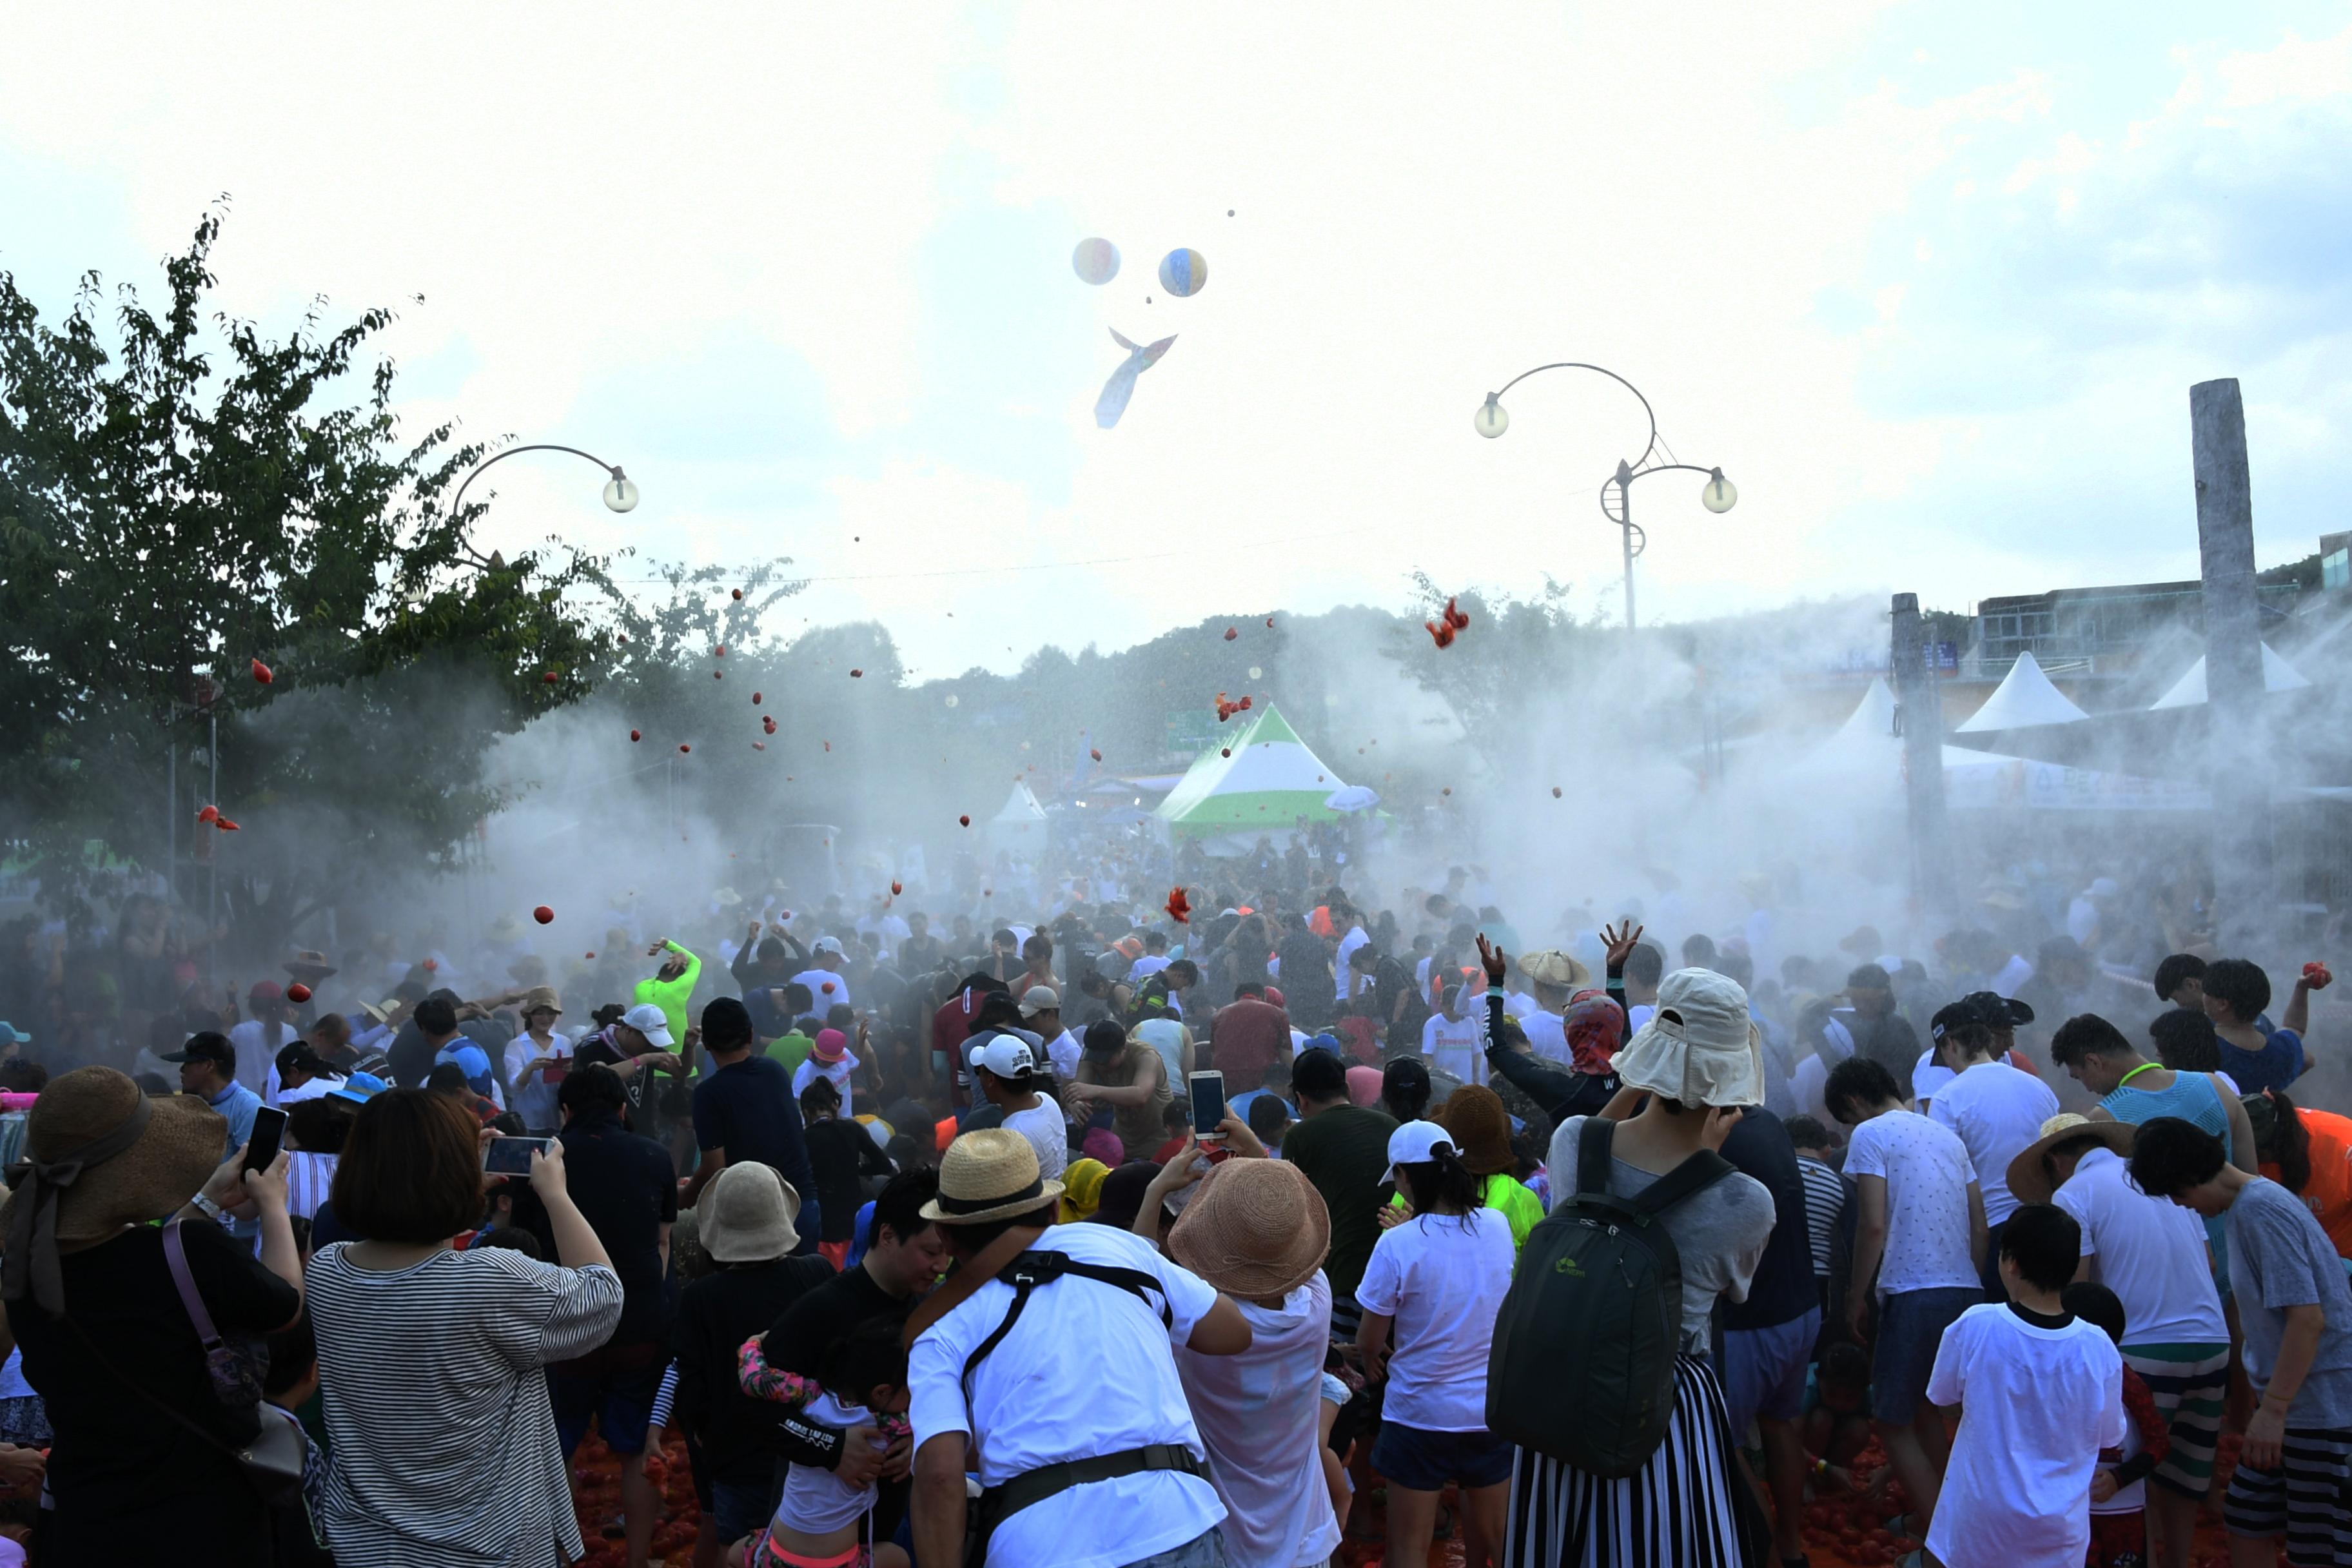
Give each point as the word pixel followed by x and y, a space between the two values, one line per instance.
pixel 2188 691
pixel 2025 696
pixel 1271 780
pixel 1874 715
pixel 1021 807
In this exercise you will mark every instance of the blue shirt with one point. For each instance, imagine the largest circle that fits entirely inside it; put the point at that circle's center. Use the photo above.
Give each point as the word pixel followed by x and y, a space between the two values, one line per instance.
pixel 2278 1064
pixel 747 1109
pixel 239 1104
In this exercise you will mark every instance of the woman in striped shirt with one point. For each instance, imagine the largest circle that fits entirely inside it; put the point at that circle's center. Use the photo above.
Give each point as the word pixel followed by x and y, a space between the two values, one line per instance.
pixel 445 1445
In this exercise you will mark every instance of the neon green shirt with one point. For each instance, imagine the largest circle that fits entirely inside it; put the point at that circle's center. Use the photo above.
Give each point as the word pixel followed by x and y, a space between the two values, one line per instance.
pixel 671 995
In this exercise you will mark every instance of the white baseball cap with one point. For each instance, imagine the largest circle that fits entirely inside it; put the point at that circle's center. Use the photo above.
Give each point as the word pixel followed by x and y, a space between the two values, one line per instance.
pixel 1040 999
pixel 1413 1143
pixel 649 1021
pixel 828 944
pixel 1007 1057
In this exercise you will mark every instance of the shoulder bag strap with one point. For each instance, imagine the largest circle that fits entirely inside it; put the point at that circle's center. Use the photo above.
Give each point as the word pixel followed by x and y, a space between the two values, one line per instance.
pixel 175 1256
pixel 1702 1170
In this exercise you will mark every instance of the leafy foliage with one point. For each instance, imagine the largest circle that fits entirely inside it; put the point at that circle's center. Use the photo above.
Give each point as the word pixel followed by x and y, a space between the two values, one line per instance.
pixel 180 494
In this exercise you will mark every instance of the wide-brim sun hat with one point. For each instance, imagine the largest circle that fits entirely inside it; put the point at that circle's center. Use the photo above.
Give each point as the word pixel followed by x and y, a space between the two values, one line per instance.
pixel 100 1155
pixel 1481 1129
pixel 1255 1229
pixel 1700 1047
pixel 989 1174
pixel 747 1214
pixel 1550 966
pixel 2029 1182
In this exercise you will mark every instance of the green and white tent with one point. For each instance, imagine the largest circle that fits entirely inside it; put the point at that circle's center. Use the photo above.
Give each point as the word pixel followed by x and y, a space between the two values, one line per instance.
pixel 1271 780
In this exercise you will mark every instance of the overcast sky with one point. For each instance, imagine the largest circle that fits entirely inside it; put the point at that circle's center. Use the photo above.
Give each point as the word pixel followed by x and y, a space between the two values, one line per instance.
pixel 1929 283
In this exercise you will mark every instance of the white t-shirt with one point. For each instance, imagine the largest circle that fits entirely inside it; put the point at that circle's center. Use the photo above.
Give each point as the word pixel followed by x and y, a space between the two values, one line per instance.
pixel 1927 1076
pixel 2037 1404
pixel 810 1068
pixel 821 1001
pixel 1357 937
pixel 257 1055
pixel 1048 1131
pixel 1456 1046
pixel 1256 1412
pixel 1089 1369
pixel 1639 1013
pixel 534 1097
pixel 1518 1003
pixel 1547 1035
pixel 2150 1252
pixel 1165 1036
pixel 1809 1083
pixel 1998 1112
pixel 817 1501
pixel 1442 1278
pixel 1927 1175
pixel 1149 964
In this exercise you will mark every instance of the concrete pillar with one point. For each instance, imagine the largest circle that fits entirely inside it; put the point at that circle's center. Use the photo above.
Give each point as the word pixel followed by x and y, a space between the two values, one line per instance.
pixel 2244 889
pixel 1932 899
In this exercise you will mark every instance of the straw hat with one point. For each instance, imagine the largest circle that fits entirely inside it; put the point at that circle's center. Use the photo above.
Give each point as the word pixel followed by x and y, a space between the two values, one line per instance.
pixel 989 1174
pixel 2029 1178
pixel 746 1214
pixel 1254 1229
pixel 167 1149
pixel 538 997
pixel 1550 966
pixel 1701 1047
pixel 1481 1129
pixel 309 966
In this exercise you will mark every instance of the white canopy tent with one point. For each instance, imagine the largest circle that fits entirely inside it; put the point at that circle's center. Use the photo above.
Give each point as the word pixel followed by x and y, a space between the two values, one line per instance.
pixel 2024 697
pixel 2190 690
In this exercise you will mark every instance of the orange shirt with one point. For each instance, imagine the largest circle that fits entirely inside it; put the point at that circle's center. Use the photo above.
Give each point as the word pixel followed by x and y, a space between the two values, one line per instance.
pixel 2328 1195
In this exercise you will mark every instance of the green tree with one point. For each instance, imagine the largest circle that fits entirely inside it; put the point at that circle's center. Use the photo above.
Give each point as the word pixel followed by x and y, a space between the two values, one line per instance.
pixel 180 494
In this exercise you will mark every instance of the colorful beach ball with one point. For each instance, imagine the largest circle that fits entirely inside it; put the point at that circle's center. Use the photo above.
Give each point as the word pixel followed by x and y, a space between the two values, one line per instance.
pixel 1184 272
pixel 1094 261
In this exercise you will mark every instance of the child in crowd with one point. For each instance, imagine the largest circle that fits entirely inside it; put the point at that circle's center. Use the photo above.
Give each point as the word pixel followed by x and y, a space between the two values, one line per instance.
pixel 1176 1121
pixel 292 1381
pixel 1824 1193
pixel 818 1519
pixel 1269 1120
pixel 1437 1279
pixel 1836 1424
pixel 2041 1394
pixel 2119 1536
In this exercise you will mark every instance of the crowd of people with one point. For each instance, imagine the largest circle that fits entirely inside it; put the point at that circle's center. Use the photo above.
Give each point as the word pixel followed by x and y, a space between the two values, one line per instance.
pixel 1109 1238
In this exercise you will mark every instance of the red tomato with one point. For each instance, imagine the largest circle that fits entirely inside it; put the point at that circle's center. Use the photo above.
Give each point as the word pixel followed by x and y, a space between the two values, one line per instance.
pixel 298 992
pixel 543 915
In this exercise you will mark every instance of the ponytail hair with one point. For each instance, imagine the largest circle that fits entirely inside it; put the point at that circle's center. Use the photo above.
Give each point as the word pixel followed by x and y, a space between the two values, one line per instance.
pixel 2292 1143
pixel 1441 1182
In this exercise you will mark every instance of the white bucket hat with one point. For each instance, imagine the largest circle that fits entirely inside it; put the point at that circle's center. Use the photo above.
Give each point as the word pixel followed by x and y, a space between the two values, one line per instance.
pixel 1701 1047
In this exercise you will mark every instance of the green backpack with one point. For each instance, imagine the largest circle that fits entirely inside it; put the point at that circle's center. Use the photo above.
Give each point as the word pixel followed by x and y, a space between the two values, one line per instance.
pixel 1583 1365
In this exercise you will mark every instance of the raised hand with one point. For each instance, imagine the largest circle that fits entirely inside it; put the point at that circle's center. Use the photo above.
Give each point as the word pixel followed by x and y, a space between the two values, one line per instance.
pixel 1496 960
pixel 1621 939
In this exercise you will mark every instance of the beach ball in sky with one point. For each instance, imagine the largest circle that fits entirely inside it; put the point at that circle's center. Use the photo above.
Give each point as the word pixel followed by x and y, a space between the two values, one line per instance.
pixel 1094 261
pixel 1184 272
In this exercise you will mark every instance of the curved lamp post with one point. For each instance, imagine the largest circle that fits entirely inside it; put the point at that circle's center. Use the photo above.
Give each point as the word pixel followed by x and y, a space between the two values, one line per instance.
pixel 1717 495
pixel 620 490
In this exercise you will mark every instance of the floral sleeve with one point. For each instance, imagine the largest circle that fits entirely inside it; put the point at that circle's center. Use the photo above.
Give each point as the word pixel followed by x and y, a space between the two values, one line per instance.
pixel 762 1381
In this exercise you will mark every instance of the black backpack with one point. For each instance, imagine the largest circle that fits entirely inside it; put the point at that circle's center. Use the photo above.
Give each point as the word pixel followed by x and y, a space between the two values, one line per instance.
pixel 1582 1366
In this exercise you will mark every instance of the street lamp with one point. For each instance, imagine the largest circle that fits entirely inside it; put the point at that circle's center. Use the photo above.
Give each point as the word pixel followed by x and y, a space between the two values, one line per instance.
pixel 620 490
pixel 1717 495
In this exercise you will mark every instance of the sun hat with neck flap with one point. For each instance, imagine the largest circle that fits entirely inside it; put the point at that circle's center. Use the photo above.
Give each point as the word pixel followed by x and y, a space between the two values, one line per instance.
pixel 1701 1047
pixel 747 1214
pixel 1481 1128
pixel 989 1174
pixel 98 1156
pixel 1255 1229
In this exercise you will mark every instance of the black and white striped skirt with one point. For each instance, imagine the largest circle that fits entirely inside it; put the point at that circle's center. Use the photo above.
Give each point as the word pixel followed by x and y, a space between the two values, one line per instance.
pixel 1677 1511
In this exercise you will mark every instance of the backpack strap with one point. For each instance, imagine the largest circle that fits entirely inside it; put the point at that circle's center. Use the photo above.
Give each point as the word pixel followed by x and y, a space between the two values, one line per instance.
pixel 1592 1155
pixel 1701 1171
pixel 1031 1269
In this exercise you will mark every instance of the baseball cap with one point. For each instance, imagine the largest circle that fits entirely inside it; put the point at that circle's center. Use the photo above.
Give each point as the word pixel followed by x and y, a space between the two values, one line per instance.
pixel 1413 1143
pixel 1999 1011
pixel 1040 999
pixel 1959 1014
pixel 359 1088
pixel 300 1057
pixel 207 1046
pixel 11 1036
pixel 1104 1037
pixel 1274 995
pixel 1007 1057
pixel 266 991
pixel 650 1021
pixel 827 944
